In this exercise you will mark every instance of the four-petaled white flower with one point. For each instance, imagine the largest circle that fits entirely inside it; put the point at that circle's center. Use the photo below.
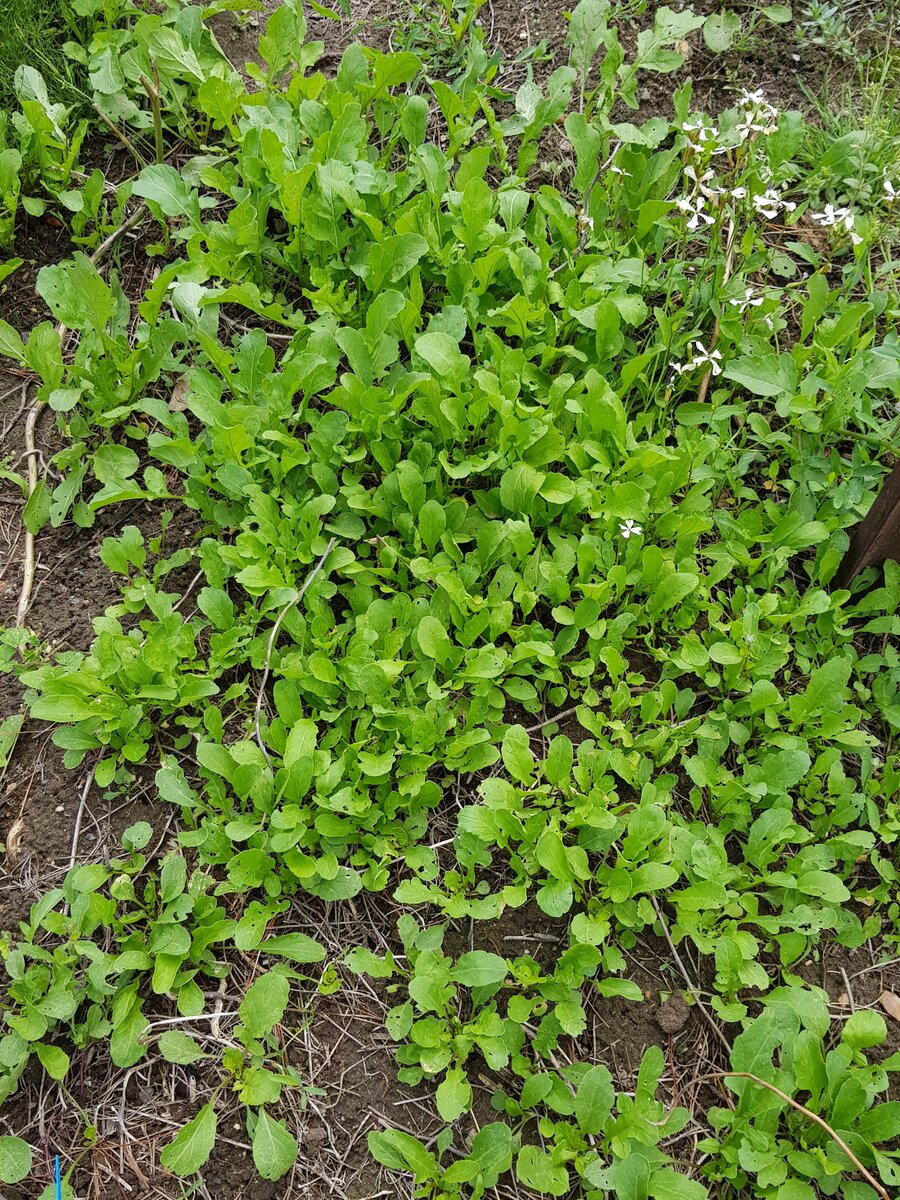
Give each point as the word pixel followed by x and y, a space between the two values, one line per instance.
pixel 830 217
pixel 630 529
pixel 749 300
pixel 700 132
pixel 695 209
pixel 700 357
pixel 752 99
pixel 702 182
pixel 770 204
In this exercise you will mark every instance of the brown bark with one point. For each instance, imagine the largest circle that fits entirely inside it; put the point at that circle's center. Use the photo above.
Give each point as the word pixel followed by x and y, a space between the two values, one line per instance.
pixel 877 536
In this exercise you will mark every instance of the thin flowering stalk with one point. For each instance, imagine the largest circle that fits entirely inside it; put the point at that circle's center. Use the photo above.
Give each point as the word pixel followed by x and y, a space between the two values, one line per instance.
pixel 729 267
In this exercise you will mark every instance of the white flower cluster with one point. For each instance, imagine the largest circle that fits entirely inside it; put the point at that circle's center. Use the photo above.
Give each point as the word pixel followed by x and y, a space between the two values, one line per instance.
pixel 840 218
pixel 769 204
pixel 759 116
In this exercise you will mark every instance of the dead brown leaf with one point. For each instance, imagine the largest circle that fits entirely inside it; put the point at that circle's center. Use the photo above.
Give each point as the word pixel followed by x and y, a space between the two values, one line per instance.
pixel 891 1004
pixel 14 840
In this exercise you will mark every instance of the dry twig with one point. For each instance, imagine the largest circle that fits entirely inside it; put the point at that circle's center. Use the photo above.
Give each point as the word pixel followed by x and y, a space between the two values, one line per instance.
pixel 800 1108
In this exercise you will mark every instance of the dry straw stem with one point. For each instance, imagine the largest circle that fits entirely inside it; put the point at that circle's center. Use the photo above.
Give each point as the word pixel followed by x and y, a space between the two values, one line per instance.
pixel 832 1133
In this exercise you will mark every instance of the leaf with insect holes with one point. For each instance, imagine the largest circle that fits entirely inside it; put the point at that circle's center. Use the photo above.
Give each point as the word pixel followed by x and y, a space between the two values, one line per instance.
pixel 15 1159
pixel 274 1146
pixel 594 1100
pixel 178 1047
pixel 192 1144
pixel 720 31
pixel 536 1169
pixel 76 293
pixel 264 1004
pixel 454 1095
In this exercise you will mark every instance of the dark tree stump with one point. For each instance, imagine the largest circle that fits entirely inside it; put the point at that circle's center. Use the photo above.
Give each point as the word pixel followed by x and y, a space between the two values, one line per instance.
pixel 877 536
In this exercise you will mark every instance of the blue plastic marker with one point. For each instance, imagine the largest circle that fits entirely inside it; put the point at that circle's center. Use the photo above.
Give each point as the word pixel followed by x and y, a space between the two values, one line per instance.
pixel 59 1195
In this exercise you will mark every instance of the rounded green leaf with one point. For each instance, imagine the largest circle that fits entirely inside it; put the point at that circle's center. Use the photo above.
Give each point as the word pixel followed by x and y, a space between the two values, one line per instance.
pixel 454 1095
pixel 15 1159
pixel 478 968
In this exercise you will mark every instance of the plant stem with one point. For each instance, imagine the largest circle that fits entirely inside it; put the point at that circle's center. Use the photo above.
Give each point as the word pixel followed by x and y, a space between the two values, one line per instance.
pixel 152 90
pixel 126 142
pixel 867 1175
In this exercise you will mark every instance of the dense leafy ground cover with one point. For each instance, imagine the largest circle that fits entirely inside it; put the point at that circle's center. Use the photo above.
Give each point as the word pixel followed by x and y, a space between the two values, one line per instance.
pixel 519 508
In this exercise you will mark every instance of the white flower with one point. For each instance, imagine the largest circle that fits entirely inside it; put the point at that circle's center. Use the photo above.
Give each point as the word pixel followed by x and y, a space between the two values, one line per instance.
pixel 831 217
pixel 618 171
pixel 695 208
pixel 585 223
pixel 702 182
pixel 630 529
pixel 699 358
pixel 739 193
pixel 704 132
pixel 770 204
pixel 890 191
pixel 750 300
pixel 752 99
pixel 759 115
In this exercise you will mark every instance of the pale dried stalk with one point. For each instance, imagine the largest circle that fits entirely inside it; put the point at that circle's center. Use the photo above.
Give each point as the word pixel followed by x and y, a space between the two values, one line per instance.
pixel 832 1133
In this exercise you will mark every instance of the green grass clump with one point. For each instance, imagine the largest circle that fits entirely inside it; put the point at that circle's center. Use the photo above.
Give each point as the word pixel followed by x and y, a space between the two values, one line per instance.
pixel 34 32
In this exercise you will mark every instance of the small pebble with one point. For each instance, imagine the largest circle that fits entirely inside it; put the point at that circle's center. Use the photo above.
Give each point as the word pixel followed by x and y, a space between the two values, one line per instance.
pixel 60 808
